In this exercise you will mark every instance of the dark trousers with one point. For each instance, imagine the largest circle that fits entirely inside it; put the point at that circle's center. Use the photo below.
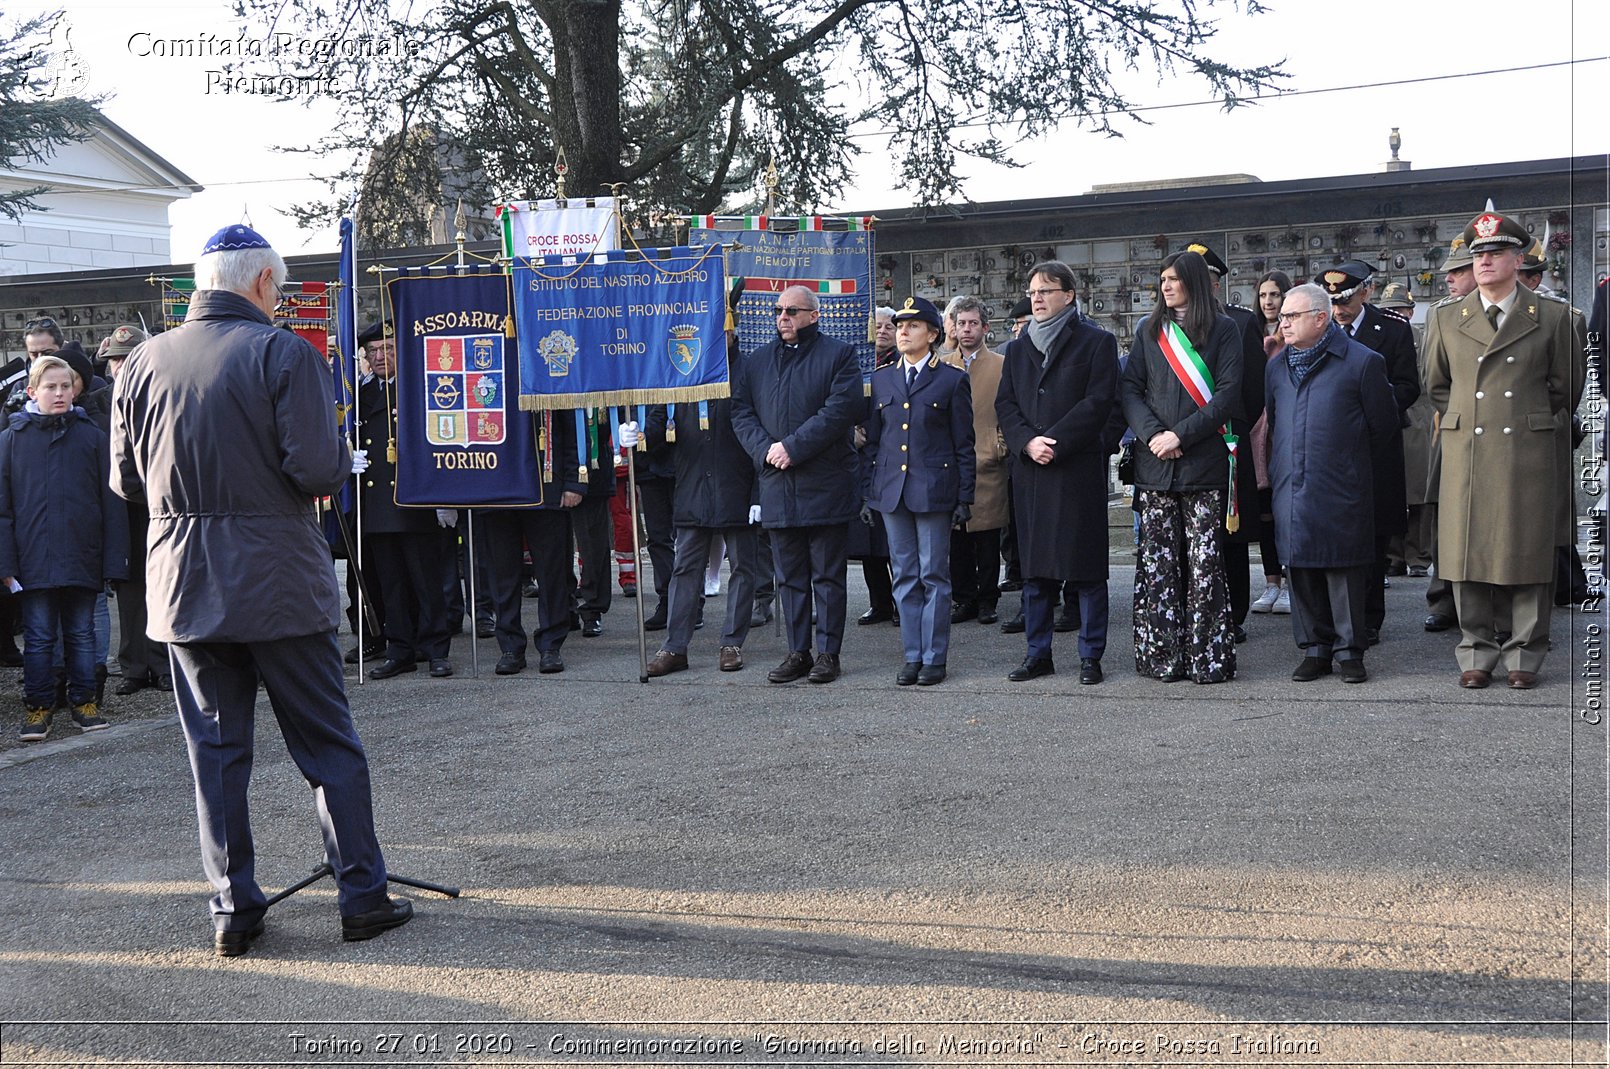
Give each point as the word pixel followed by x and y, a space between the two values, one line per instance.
pixel 594 531
pixel 408 568
pixel 654 502
pixel 1237 576
pixel 546 533
pixel 1040 598
pixel 811 565
pixel 1375 592
pixel 215 689
pixel 456 544
pixel 686 591
pixel 1327 610
pixel 879 583
pixel 766 581
pixel 1009 558
pixel 975 567
pixel 47 612
pixel 140 657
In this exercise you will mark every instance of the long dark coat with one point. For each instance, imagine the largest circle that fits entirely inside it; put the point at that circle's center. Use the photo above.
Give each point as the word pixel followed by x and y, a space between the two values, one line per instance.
pixel 1060 507
pixel 379 512
pixel 809 397
pixel 1394 340
pixel 1154 401
pixel 715 482
pixel 1324 436
pixel 226 428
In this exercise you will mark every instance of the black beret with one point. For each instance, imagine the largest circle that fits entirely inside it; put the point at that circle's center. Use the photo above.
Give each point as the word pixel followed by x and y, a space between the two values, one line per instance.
pixel 376 331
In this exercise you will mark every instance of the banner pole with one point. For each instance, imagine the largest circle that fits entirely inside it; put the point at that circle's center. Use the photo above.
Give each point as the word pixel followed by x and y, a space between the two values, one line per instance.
pixel 637 560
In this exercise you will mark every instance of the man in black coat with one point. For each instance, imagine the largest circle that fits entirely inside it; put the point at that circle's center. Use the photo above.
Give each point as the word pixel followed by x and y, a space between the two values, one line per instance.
pixel 1058 390
pixel 1349 287
pixel 402 546
pixel 793 409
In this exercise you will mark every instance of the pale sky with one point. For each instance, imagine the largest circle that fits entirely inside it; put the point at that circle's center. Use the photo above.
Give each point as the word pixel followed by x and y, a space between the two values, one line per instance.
pixel 226 141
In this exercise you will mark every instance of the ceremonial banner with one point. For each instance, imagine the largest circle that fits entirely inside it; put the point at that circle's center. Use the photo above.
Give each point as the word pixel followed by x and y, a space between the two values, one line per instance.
pixel 577 226
pixel 461 440
pixel 622 328
pixel 830 256
pixel 344 361
pixel 305 309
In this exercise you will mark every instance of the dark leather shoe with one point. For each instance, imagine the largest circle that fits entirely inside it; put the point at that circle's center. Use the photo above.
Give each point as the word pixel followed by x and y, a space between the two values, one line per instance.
pixel 132 685
pixel 550 662
pixel 394 914
pixel 592 625
pixel 874 616
pixel 1372 636
pixel 1397 569
pixel 441 668
pixel 665 662
pixel 1352 671
pixel 1438 622
pixel 794 666
pixel 656 619
pixel 10 656
pixel 1239 632
pixel 1418 571
pixel 1475 679
pixel 234 943
pixel 371 650
pixel 907 676
pixel 961 613
pixel 1089 671
pixel 510 664
pixel 1009 585
pixel 732 658
pixel 826 668
pixel 1310 669
pixel 1014 626
pixel 1065 622
pixel 930 674
pixel 388 668
pixel 1519 680
pixel 165 682
pixel 1032 668
pixel 988 615
pixel 485 630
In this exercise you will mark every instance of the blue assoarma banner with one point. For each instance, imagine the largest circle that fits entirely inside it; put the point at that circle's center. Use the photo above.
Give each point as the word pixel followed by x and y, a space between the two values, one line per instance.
pixel 622 328
pixel 461 438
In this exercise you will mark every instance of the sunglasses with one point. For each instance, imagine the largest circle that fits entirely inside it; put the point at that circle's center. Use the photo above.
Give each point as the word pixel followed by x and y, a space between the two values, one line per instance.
pixel 790 312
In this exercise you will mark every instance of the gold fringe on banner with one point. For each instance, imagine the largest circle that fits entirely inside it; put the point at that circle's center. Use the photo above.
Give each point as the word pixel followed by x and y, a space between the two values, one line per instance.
pixel 545 402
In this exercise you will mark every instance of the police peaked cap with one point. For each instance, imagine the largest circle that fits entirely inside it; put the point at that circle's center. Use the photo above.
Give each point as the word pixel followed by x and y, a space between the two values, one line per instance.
pixel 920 309
pixel 1215 262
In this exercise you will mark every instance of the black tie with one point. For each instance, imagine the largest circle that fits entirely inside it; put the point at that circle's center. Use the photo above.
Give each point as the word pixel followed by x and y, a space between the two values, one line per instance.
pixel 1493 312
pixel 911 376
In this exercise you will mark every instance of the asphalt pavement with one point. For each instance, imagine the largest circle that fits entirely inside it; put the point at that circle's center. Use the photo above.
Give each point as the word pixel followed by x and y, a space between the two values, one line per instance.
pixel 711 869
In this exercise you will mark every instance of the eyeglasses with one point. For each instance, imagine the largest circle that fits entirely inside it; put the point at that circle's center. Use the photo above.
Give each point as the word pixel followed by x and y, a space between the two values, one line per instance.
pixel 1287 317
pixel 1045 293
pixel 43 323
pixel 790 312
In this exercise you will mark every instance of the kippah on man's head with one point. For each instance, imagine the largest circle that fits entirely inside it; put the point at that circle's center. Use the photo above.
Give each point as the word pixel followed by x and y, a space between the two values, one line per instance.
pixel 234 238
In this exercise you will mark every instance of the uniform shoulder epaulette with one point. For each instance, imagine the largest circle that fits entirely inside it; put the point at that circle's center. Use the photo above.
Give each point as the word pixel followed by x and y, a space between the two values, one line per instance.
pixel 1561 300
pixel 1450 299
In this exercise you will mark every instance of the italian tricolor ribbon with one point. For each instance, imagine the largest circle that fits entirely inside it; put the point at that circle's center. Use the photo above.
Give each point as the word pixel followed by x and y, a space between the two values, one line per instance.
pixel 1194 375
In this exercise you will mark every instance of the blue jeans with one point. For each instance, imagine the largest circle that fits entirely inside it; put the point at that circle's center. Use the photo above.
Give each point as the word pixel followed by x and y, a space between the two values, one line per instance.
pixel 70 609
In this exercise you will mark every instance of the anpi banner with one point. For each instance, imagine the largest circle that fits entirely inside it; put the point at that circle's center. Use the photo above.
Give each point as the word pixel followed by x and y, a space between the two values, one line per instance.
pixel 624 328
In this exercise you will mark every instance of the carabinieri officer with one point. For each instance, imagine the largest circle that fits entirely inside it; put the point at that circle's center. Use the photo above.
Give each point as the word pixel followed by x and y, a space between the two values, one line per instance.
pixel 920 435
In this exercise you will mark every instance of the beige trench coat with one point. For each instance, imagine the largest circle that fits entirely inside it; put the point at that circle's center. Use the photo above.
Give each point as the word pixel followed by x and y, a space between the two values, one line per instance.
pixel 989 492
pixel 1506 402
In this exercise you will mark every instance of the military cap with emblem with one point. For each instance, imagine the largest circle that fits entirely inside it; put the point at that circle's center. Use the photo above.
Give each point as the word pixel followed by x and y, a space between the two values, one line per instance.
pixel 922 310
pixel 1345 279
pixel 1490 231
pixel 1534 259
pixel 1215 263
pixel 1458 255
pixel 1395 295
pixel 125 337
pixel 376 331
pixel 235 238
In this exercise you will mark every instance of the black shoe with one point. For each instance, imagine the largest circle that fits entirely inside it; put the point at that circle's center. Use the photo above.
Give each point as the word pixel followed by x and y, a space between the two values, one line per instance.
pixel 795 666
pixel 1032 668
pixel 510 664
pixel 592 625
pixel 908 674
pixel 441 668
pixel 874 616
pixel 235 942
pixel 1396 568
pixel 1372 636
pixel 395 913
pixel 165 682
pixel 1352 671
pixel 529 590
pixel 1014 626
pixel 1310 669
pixel 931 674
pixel 132 685
pixel 656 619
pixel 1010 585
pixel 371 650
pixel 628 590
pixel 826 668
pixel 988 615
pixel 1239 632
pixel 550 662
pixel 1438 622
pixel 486 630
pixel 961 613
pixel 1090 670
pixel 1065 622
pixel 388 668
pixel 10 657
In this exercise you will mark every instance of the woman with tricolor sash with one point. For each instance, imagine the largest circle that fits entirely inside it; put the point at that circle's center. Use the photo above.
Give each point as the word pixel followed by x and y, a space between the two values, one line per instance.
pixel 1179 389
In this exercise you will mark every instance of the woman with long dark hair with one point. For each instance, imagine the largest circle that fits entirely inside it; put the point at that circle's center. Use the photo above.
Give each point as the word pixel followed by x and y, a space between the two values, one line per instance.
pixel 1180 388
pixel 1272 287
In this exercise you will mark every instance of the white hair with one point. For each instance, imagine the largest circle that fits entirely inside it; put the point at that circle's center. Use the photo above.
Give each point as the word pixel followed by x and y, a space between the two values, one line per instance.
pixel 1314 294
pixel 236 270
pixel 883 311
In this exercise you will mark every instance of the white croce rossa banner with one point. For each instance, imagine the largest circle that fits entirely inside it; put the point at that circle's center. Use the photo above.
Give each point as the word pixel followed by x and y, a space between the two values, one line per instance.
pixel 576 226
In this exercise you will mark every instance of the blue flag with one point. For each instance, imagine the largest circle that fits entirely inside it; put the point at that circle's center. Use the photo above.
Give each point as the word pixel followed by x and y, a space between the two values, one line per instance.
pixel 344 366
pixel 622 328
pixel 461 439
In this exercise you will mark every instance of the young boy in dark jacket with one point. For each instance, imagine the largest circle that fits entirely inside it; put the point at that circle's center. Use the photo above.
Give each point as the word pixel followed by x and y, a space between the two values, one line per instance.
pixel 62 536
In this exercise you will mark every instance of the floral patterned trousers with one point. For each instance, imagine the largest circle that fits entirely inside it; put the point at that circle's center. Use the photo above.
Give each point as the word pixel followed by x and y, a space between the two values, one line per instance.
pixel 1182 614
